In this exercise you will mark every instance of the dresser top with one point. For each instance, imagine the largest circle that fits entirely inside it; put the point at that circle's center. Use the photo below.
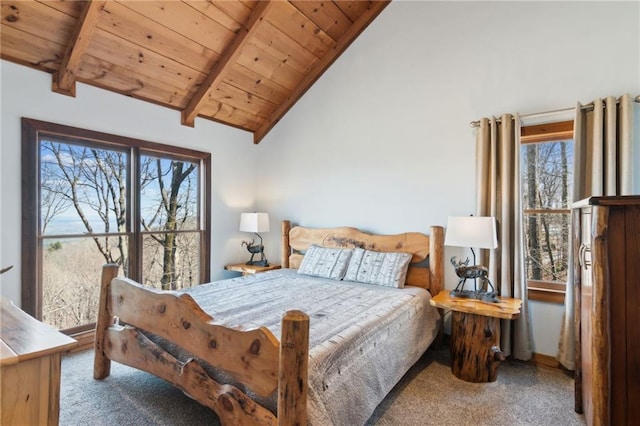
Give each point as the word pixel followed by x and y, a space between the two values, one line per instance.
pixel 23 337
pixel 617 200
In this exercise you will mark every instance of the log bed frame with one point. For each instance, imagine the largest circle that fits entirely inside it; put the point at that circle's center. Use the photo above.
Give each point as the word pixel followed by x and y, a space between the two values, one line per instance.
pixel 255 357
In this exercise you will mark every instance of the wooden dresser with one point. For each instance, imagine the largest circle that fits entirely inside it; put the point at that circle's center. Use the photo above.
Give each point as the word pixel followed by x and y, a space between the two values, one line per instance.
pixel 606 232
pixel 30 358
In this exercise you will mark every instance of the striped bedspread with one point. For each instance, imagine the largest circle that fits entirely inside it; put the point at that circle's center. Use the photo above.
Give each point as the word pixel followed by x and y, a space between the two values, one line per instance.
pixel 363 337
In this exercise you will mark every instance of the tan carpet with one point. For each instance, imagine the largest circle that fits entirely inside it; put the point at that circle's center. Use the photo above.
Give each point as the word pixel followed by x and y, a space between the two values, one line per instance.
pixel 428 395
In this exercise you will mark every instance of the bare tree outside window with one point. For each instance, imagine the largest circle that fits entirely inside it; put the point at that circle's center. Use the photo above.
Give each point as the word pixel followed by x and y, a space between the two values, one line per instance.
pixel 546 188
pixel 169 191
pixel 92 184
pixel 84 189
pixel 83 193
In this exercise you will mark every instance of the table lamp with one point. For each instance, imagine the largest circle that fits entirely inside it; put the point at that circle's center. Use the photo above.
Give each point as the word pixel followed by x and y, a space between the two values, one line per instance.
pixel 255 222
pixel 478 232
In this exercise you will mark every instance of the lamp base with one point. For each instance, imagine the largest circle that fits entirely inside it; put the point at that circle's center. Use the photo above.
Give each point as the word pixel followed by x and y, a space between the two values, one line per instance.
pixel 485 296
pixel 257 263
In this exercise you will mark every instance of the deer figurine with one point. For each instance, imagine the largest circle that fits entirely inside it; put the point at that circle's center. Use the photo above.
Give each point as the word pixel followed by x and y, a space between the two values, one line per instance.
pixel 255 249
pixel 465 272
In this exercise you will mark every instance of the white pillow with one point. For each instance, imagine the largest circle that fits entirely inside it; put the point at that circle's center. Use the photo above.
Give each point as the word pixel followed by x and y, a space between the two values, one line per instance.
pixel 377 267
pixel 325 262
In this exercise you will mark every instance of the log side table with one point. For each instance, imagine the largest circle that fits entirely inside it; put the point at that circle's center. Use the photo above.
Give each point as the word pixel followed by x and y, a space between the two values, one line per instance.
pixel 475 334
pixel 250 269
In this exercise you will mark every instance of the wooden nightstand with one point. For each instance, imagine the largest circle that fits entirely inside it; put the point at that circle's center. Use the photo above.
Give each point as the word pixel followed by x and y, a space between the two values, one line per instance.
pixel 250 269
pixel 475 334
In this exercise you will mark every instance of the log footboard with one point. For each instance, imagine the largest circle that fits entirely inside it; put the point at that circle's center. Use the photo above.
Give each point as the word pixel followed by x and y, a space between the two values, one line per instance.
pixel 128 346
pixel 254 358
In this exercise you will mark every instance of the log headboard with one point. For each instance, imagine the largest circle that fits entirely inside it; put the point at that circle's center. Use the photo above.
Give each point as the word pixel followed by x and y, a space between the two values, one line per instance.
pixel 296 240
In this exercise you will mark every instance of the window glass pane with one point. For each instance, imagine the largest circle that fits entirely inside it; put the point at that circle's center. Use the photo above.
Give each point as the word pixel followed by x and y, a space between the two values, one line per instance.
pixel 547 246
pixel 82 189
pixel 547 175
pixel 71 273
pixel 168 194
pixel 171 261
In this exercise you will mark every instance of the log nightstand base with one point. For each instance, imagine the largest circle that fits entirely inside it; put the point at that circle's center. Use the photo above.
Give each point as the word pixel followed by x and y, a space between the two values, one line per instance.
pixel 475 347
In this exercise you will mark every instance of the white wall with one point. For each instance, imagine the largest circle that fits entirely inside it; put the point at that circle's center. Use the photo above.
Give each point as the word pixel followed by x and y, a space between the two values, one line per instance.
pixel 382 141
pixel 27 93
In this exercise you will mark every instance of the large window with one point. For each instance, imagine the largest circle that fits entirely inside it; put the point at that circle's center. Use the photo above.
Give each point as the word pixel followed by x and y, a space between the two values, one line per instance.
pixel 546 175
pixel 92 198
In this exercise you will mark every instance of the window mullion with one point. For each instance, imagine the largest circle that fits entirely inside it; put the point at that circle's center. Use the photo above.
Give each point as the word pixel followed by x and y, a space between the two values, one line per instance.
pixel 135 270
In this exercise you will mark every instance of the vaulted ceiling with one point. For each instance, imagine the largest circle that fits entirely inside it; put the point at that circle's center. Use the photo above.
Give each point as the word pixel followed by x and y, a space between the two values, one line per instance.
pixel 241 63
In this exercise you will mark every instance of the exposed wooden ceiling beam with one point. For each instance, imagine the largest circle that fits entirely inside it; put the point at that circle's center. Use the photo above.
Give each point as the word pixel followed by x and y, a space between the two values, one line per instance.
pixel 321 66
pixel 228 58
pixel 64 80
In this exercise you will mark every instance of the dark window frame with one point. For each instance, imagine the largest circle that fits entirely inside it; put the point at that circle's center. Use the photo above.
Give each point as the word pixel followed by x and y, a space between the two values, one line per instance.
pixel 31 250
pixel 547 291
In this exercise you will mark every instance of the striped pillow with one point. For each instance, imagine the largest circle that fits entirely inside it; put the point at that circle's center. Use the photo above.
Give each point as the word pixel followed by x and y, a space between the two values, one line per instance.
pixel 325 262
pixel 377 267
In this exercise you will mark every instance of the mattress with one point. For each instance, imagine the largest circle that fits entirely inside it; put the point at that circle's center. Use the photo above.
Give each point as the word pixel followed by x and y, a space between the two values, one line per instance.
pixel 362 337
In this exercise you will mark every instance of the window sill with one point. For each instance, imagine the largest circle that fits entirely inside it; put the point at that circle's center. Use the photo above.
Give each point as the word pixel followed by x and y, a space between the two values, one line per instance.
pixel 546 291
pixel 85 340
pixel 546 295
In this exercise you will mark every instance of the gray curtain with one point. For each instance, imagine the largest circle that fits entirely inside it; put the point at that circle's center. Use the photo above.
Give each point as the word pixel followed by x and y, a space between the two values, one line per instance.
pixel 498 195
pixel 603 165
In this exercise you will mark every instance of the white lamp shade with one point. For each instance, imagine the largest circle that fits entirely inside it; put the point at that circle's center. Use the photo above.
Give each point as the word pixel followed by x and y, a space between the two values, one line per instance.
pixel 254 222
pixel 471 231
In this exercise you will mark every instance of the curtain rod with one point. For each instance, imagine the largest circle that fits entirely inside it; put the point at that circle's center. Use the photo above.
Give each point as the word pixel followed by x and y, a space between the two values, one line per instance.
pixel 476 123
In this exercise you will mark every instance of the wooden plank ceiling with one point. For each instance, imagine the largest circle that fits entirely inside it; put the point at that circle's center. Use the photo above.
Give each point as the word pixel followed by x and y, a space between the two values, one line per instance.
pixel 241 63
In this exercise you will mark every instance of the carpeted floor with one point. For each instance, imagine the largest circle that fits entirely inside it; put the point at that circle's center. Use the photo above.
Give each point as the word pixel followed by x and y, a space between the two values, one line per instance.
pixel 428 395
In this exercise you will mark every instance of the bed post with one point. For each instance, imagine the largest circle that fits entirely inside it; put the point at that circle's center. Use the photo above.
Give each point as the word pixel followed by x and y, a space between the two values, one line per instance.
pixel 436 268
pixel 293 369
pixel 102 364
pixel 285 247
pixel 436 259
